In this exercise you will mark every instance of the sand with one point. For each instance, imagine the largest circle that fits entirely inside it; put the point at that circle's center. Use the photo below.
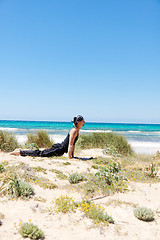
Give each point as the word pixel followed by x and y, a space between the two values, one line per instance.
pixel 59 226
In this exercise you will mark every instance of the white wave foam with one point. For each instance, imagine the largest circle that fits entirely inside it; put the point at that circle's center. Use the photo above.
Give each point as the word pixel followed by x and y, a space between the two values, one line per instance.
pixel 8 129
pixel 90 131
pixel 134 131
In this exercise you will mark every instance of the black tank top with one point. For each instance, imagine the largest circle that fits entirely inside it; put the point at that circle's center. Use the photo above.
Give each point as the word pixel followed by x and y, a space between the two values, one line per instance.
pixel 65 143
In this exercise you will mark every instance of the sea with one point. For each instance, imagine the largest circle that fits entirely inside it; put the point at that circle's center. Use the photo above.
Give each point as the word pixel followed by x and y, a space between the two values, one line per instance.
pixel 144 138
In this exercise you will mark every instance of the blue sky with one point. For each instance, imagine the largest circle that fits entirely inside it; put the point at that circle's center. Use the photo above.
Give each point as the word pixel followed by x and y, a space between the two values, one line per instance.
pixel 60 58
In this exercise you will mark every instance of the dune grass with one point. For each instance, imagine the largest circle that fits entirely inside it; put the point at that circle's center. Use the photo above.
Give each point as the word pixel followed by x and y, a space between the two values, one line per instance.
pixel 40 138
pixel 8 142
pixel 103 140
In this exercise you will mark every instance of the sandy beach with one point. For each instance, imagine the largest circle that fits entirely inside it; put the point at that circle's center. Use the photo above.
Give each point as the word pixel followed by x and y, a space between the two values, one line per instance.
pixel 75 225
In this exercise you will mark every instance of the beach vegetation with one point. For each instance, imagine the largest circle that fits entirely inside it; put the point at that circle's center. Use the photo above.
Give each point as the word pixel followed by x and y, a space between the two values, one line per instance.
pixel 5 163
pixel 8 142
pixel 64 204
pixel 59 174
pixel 95 212
pixel 95 166
pixel 140 168
pixel 39 169
pixel 66 163
pixel 101 161
pixel 111 150
pixel 115 142
pixel 2 169
pixel 110 174
pixel 17 188
pixel 31 146
pixel 76 178
pixel 107 180
pixel 144 214
pixel 45 183
pixel 40 138
pixel 152 170
pixel 30 230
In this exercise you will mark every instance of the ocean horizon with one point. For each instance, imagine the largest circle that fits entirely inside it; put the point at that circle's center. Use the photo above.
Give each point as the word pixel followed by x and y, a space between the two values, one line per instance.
pixel 140 135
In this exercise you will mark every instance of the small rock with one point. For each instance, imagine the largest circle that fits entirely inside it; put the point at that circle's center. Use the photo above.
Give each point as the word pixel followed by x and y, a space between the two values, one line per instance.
pixel 34 207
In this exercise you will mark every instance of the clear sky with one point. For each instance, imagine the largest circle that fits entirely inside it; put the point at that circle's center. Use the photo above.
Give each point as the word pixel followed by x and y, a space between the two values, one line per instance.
pixel 98 58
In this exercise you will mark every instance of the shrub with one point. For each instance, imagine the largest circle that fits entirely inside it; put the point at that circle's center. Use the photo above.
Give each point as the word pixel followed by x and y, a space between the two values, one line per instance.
pixel 30 230
pixel 144 214
pixel 40 138
pixel 76 178
pixel 64 204
pixel 26 189
pixel 8 142
pixel 152 171
pixel 108 179
pixel 95 212
pixel 111 150
pixel 19 188
pixel 110 174
pixel 102 140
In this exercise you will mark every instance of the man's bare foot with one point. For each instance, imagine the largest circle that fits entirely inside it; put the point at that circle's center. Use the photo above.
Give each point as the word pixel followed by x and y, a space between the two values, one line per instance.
pixel 16 152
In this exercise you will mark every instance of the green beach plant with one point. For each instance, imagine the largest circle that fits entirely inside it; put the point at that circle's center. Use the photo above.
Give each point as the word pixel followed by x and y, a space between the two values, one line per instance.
pixel 64 204
pixel 8 142
pixel 31 146
pixel 2 169
pixel 110 174
pixel 45 183
pixel 95 212
pixel 31 231
pixel 40 138
pixel 152 171
pixel 66 163
pixel 111 150
pixel 103 140
pixel 39 169
pixel 144 214
pixel 108 179
pixel 76 178
pixel 18 188
pixel 59 174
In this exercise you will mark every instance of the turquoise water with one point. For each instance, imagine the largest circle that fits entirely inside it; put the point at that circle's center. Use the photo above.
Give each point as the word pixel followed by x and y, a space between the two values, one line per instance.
pixel 133 132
